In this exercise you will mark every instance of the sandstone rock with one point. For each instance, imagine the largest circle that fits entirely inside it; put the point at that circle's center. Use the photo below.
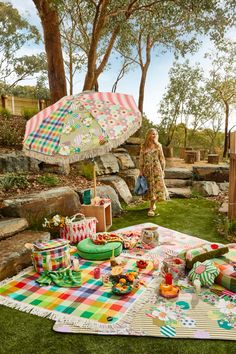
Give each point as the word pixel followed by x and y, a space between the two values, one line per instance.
pixel 130 177
pixel 124 161
pixel 136 161
pixel 206 188
pixel 13 254
pixel 49 168
pixel 106 164
pixel 133 140
pixel 224 208
pixel 177 173
pixel 179 192
pixel 211 173
pixel 107 192
pixel 133 150
pixel 119 150
pixel 119 185
pixel 17 162
pixel 172 183
pixel 34 207
pixel 224 187
pixel 11 226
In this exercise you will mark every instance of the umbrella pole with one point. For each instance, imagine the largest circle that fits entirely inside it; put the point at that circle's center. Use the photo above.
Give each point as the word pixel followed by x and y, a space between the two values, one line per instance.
pixel 94 181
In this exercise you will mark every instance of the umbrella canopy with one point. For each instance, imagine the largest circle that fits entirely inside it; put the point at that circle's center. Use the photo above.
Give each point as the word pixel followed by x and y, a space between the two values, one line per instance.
pixel 81 126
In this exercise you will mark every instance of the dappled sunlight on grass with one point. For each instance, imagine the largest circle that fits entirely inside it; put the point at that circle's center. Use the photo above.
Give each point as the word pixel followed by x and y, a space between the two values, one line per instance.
pixel 196 217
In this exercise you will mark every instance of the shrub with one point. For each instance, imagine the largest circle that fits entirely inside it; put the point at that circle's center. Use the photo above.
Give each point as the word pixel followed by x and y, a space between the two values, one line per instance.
pixel 48 180
pixel 226 227
pixel 5 112
pixel 28 113
pixel 11 131
pixel 86 170
pixel 12 180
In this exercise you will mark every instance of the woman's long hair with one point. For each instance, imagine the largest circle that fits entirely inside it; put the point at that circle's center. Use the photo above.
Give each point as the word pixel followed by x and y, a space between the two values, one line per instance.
pixel 147 138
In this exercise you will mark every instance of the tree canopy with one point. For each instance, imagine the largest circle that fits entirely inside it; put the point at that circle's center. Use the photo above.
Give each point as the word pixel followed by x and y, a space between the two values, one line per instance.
pixel 15 31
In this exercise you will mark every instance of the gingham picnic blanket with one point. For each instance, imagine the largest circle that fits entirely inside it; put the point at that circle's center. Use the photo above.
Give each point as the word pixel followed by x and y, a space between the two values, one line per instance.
pixel 91 300
pixel 92 308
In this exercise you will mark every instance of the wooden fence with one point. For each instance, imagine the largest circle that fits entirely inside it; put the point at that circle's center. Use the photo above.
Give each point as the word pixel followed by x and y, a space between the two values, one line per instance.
pixel 17 105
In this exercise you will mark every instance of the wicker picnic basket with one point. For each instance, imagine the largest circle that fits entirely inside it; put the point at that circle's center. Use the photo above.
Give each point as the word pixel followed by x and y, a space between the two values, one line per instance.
pixel 81 227
pixel 51 255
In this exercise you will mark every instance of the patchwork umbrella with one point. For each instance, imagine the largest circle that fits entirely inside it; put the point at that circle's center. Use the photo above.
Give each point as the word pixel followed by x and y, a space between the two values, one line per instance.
pixel 81 126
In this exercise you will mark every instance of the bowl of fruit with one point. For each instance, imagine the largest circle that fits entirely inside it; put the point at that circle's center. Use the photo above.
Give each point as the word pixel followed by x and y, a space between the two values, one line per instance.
pixel 123 283
pixel 121 289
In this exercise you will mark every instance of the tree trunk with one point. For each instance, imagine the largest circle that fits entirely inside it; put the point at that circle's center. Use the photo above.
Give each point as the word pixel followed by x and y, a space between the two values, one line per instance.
pixel 96 86
pixel 98 25
pixel 185 136
pixel 91 66
pixel 52 42
pixel 226 142
pixel 142 87
pixel 144 68
pixel 71 70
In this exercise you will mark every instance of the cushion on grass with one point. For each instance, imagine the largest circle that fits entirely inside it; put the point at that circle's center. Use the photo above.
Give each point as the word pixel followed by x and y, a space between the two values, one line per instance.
pixel 88 250
pixel 206 272
pixel 227 267
pixel 204 252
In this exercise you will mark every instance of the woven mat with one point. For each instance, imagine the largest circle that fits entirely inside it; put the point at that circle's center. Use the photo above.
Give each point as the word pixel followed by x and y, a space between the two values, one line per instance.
pixel 189 316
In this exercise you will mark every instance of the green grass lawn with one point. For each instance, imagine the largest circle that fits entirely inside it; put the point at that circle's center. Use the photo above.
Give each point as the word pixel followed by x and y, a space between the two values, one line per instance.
pixel 26 334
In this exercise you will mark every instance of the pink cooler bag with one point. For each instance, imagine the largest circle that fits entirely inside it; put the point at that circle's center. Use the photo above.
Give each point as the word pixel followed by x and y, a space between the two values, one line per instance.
pixel 80 228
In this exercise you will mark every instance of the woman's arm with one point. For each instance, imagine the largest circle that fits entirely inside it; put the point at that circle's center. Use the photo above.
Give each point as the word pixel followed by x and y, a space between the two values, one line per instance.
pixel 141 160
pixel 162 158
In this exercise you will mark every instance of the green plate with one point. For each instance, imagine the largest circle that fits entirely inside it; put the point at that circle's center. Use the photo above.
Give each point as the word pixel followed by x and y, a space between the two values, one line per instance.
pixel 119 292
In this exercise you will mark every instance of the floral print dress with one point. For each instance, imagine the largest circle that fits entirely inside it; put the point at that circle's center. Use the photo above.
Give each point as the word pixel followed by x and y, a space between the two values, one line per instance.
pixel 152 163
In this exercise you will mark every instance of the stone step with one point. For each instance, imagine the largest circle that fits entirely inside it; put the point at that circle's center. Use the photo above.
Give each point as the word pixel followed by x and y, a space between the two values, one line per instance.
pixel 180 192
pixel 178 173
pixel 14 256
pixel 11 226
pixel 179 183
pixel 216 173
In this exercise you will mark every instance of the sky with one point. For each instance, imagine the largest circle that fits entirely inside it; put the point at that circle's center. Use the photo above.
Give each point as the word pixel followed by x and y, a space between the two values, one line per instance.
pixel 157 79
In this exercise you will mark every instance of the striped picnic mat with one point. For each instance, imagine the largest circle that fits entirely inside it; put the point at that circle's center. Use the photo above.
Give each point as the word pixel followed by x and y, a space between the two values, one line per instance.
pixel 206 316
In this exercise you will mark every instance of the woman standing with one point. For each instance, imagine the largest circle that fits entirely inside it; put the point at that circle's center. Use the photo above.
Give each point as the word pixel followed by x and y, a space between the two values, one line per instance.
pixel 152 165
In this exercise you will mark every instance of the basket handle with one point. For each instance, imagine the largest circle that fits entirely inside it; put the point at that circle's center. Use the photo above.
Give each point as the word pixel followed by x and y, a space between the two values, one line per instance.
pixel 74 216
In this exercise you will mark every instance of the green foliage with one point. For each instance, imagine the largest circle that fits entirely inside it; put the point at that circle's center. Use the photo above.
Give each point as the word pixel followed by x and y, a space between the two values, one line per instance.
pixel 12 181
pixel 227 227
pixel 15 31
pixel 5 112
pixel 146 125
pixel 10 134
pixel 196 195
pixel 222 81
pixel 40 91
pixel 28 113
pixel 85 169
pixel 48 180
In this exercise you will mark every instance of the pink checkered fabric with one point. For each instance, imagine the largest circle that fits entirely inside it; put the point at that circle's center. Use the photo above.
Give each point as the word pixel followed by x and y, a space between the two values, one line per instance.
pixel 79 230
